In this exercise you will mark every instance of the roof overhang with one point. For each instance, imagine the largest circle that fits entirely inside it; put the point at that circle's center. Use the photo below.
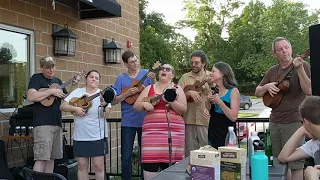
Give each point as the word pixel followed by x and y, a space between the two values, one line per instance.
pixel 94 9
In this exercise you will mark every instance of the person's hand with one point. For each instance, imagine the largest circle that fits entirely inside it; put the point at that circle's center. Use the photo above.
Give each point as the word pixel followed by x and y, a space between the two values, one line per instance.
pixel 58 93
pixel 195 96
pixel 152 76
pixel 206 114
pixel 102 102
pixel 132 91
pixel 312 173
pixel 272 88
pixel 78 111
pixel 148 106
pixel 215 99
pixel 298 62
pixel 208 78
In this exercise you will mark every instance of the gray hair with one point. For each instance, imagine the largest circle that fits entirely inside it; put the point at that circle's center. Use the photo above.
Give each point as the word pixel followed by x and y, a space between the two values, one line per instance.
pixel 277 40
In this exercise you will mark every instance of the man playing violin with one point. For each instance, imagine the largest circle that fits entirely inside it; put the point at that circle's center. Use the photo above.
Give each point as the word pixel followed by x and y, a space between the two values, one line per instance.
pixel 284 118
pixel 197 116
pixel 47 121
pixel 131 122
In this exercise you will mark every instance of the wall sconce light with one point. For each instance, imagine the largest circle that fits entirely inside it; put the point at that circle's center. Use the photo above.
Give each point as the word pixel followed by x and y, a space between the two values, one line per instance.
pixel 64 41
pixel 112 51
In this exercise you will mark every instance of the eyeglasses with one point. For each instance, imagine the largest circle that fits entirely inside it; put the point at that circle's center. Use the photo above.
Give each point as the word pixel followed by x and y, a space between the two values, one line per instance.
pixel 167 69
pixel 134 61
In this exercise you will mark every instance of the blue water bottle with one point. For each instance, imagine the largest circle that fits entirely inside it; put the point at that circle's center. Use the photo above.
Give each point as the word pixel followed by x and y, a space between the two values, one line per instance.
pixel 259 162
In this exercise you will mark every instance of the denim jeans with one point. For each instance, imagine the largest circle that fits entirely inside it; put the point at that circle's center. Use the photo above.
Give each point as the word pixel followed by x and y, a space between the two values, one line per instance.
pixel 127 139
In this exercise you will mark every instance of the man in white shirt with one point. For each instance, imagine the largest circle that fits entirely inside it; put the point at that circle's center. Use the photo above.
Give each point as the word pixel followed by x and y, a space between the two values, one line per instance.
pixel 310 114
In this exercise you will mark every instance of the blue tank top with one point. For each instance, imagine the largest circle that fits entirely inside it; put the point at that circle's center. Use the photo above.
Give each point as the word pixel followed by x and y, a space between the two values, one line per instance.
pixel 226 98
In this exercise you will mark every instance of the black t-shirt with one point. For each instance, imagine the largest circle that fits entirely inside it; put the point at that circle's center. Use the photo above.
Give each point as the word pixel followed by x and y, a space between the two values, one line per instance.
pixel 43 115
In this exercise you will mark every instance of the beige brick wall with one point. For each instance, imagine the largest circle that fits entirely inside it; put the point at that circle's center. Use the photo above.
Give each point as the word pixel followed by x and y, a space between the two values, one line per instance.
pixel 38 15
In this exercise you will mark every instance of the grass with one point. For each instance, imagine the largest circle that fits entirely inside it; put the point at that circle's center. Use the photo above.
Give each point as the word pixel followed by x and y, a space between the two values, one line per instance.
pixel 242 115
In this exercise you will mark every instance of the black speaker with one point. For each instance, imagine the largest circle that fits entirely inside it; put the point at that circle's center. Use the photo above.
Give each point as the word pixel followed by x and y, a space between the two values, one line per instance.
pixel 314 44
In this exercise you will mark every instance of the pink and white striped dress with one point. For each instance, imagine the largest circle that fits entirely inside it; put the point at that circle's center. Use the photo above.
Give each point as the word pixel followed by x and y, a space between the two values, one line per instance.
pixel 155 148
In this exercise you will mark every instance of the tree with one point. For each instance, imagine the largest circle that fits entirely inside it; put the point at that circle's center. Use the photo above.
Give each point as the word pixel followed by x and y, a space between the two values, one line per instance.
pixel 159 41
pixel 5 55
pixel 244 41
pixel 210 19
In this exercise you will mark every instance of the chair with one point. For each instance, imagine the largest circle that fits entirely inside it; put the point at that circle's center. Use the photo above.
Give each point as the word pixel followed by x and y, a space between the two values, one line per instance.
pixel 4 169
pixel 30 174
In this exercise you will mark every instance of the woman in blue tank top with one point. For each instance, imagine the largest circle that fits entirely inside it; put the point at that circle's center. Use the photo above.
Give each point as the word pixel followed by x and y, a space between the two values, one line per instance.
pixel 224 106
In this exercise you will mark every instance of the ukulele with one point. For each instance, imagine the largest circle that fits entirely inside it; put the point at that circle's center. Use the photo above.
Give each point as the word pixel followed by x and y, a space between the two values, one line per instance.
pixel 139 84
pixel 283 84
pixel 85 101
pixel 154 100
pixel 197 86
pixel 49 100
pixel 215 89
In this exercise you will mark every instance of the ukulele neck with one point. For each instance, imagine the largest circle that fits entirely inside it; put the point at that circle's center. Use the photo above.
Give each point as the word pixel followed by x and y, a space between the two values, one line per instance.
pixel 156 98
pixel 90 98
pixel 66 83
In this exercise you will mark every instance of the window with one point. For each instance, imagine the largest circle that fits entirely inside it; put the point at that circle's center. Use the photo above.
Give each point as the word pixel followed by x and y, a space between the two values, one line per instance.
pixel 16 65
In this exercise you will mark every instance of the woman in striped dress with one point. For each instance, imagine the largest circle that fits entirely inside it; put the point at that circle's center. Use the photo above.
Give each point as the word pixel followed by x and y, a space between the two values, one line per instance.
pixel 155 148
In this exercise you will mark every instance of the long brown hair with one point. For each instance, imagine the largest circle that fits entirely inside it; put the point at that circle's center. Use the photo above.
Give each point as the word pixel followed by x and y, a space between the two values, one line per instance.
pixel 229 79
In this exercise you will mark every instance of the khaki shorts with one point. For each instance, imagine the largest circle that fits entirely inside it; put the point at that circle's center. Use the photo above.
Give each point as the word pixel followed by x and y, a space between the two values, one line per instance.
pixel 47 143
pixel 280 134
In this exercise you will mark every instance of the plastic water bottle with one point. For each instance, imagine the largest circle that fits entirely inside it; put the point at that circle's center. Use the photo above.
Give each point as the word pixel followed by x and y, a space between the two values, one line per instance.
pixel 259 162
pixel 231 138
pixel 254 136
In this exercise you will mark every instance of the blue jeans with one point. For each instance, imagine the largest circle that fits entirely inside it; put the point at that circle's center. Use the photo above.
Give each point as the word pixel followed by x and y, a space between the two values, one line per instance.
pixel 127 139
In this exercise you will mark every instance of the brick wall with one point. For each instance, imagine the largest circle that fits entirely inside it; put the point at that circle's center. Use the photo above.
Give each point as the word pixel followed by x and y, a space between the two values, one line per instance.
pixel 38 15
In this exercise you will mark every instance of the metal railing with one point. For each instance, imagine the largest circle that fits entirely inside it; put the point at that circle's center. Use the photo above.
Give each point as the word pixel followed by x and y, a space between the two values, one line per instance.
pixel 244 125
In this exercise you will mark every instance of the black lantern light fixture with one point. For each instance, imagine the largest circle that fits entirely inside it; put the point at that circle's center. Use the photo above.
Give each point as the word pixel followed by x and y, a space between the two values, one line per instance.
pixel 64 41
pixel 112 51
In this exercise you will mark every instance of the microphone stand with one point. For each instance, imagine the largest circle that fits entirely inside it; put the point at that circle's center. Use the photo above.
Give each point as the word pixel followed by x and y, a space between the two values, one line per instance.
pixel 169 132
pixel 105 141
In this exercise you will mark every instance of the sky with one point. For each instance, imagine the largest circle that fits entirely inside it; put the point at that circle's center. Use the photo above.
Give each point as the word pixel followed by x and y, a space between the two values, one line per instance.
pixel 172 10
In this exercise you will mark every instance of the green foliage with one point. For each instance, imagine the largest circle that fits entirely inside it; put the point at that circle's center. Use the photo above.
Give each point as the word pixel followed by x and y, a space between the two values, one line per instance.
pixel 159 41
pixel 244 40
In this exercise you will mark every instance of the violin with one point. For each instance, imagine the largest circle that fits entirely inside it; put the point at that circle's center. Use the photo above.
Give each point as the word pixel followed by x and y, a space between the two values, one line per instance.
pixel 283 83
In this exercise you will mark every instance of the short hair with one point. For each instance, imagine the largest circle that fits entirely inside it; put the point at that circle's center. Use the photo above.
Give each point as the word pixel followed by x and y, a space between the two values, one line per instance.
pixel 203 57
pixel 173 71
pixel 277 40
pixel 126 55
pixel 310 109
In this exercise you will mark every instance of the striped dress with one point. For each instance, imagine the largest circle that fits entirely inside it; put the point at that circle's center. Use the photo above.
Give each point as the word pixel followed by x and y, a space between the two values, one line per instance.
pixel 155 148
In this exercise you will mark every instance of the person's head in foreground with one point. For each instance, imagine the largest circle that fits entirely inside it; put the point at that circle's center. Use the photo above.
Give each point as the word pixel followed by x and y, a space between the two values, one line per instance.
pixel 310 114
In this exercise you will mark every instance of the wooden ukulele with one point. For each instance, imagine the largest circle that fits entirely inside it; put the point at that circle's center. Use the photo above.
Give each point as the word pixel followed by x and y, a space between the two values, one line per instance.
pixel 85 101
pixel 49 100
pixel 154 100
pixel 139 84
pixel 197 86
pixel 283 83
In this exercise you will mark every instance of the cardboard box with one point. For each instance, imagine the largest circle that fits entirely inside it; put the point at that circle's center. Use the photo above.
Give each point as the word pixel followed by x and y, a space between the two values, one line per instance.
pixel 205 165
pixel 233 163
